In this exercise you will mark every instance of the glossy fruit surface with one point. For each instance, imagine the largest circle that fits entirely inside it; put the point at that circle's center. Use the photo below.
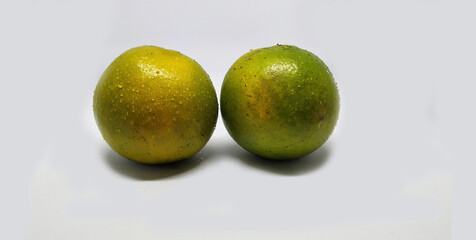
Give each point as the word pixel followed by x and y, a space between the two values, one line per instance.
pixel 154 105
pixel 279 102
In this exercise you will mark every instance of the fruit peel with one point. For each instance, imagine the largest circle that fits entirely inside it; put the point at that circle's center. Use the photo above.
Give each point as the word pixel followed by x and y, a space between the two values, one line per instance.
pixel 154 105
pixel 279 102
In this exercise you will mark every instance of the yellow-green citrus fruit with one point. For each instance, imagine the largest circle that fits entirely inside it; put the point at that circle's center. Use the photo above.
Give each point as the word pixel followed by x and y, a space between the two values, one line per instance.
pixel 154 105
pixel 279 102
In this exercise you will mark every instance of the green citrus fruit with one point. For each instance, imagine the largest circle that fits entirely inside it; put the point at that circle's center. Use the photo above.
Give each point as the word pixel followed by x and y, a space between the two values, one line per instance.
pixel 154 105
pixel 279 102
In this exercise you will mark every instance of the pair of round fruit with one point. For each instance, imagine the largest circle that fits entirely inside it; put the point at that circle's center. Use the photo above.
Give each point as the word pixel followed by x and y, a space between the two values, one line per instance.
pixel 154 105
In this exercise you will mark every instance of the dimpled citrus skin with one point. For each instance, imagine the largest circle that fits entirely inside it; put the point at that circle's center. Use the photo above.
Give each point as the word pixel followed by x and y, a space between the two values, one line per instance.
pixel 154 105
pixel 279 102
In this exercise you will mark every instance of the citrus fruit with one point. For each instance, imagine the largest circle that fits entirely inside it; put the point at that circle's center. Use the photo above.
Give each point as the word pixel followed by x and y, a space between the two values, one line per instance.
pixel 154 105
pixel 279 102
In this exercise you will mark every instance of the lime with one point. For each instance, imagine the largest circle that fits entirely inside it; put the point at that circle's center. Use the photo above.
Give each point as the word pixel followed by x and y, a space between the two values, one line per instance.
pixel 154 105
pixel 279 102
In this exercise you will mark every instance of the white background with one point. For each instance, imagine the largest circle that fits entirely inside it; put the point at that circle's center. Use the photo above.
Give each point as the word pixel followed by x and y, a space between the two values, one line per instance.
pixel 405 70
